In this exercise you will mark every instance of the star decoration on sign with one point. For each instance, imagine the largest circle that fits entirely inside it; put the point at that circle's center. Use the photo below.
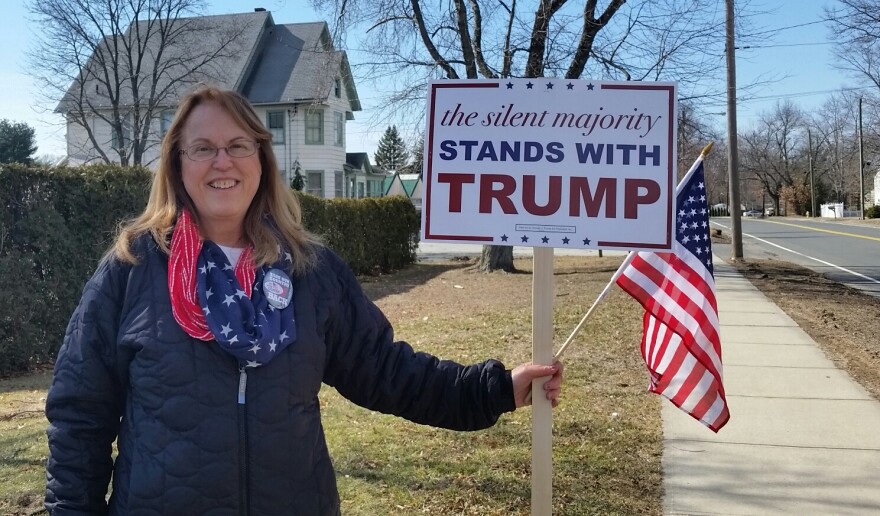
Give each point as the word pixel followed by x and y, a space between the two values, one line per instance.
pixel 529 85
pixel 504 238
pixel 549 85
pixel 509 85
pixel 586 241
pixel 524 238
pixel 565 240
pixel 569 86
pixel 545 239
pixel 590 87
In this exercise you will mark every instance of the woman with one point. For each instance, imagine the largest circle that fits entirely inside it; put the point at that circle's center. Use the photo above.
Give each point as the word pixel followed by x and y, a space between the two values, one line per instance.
pixel 203 338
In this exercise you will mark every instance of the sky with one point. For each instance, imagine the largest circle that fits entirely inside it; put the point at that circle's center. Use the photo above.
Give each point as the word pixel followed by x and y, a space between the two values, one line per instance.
pixel 799 58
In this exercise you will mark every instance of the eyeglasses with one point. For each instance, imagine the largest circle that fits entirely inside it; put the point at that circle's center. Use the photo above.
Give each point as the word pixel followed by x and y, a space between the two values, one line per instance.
pixel 205 152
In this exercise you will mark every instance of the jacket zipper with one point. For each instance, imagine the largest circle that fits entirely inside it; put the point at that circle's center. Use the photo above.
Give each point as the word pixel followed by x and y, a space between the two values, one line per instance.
pixel 243 441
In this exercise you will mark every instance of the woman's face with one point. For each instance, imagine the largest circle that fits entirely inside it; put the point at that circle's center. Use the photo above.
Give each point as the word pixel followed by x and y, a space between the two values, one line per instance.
pixel 222 187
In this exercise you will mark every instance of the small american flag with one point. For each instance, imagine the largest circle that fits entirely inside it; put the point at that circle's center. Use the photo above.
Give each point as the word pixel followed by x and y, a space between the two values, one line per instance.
pixel 681 344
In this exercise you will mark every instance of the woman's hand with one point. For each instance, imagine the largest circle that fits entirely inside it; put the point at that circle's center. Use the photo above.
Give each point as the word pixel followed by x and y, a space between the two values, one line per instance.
pixel 523 375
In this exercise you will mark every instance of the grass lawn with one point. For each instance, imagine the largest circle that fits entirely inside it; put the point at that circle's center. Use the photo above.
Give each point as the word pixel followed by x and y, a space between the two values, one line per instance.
pixel 607 431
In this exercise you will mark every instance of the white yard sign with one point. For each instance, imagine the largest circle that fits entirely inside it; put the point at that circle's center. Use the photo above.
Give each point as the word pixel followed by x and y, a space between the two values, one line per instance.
pixel 550 163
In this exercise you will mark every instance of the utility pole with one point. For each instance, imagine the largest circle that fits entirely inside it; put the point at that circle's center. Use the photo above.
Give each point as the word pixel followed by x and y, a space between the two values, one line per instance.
pixel 861 166
pixel 732 159
pixel 812 189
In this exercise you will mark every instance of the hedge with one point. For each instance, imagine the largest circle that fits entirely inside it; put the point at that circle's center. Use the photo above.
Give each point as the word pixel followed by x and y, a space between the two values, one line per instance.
pixel 56 223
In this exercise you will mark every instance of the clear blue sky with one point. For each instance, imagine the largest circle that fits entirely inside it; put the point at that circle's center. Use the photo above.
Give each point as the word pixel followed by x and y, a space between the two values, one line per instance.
pixel 807 68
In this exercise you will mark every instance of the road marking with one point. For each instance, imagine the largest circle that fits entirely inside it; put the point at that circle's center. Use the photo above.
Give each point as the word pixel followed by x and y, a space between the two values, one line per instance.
pixel 823 262
pixel 824 230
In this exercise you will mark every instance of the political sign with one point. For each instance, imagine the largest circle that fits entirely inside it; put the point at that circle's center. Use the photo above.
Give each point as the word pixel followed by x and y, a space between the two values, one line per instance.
pixel 550 162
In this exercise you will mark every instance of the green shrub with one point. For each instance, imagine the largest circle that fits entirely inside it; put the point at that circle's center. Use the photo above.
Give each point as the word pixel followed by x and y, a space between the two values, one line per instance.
pixel 56 223
pixel 371 235
pixel 873 212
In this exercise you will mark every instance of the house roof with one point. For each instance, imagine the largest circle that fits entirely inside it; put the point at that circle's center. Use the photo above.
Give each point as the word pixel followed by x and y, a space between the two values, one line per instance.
pixel 267 63
pixel 404 184
pixel 298 63
pixel 360 161
pixel 193 38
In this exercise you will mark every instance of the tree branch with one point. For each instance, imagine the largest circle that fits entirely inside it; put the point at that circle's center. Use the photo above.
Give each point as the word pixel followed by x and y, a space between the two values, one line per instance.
pixel 429 44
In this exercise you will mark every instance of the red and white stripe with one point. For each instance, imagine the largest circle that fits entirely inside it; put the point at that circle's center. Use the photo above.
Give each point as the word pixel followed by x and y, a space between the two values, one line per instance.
pixel 186 244
pixel 681 343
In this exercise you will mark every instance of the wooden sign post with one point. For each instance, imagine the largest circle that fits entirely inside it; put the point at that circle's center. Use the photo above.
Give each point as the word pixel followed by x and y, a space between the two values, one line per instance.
pixel 542 353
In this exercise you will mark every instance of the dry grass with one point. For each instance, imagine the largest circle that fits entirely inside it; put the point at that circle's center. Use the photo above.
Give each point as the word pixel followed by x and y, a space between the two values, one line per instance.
pixel 844 321
pixel 607 432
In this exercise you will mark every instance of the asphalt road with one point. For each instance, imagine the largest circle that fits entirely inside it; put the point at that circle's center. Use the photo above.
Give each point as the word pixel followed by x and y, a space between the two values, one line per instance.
pixel 843 252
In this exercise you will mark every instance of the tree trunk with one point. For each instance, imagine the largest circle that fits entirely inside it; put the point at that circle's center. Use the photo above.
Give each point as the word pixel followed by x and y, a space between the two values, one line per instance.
pixel 496 258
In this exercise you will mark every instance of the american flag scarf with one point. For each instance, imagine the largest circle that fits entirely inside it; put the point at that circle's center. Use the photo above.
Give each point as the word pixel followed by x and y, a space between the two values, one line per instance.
pixel 211 300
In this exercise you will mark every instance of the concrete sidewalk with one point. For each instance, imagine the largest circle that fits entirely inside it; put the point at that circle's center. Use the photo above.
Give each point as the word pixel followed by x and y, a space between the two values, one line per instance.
pixel 803 437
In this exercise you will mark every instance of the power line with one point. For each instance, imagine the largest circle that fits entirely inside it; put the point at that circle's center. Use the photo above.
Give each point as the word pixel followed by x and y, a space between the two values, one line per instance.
pixel 773 31
pixel 785 45
pixel 804 93
pixel 747 100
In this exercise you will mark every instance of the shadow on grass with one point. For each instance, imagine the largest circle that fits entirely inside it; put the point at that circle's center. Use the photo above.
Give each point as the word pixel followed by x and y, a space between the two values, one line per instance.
pixel 29 381
pixel 402 281
pixel 403 478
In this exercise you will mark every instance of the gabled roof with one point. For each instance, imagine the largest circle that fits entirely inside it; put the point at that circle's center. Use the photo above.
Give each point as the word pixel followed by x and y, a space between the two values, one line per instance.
pixel 298 63
pixel 403 184
pixel 268 63
pixel 360 161
pixel 194 38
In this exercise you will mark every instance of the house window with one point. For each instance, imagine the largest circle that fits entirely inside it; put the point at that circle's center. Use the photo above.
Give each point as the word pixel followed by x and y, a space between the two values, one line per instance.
pixel 360 190
pixel 275 124
pixel 314 126
pixel 165 119
pixel 315 180
pixel 338 185
pixel 339 129
pixel 337 88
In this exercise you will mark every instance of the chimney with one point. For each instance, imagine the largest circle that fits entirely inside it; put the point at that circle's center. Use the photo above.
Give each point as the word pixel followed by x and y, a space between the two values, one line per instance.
pixel 259 9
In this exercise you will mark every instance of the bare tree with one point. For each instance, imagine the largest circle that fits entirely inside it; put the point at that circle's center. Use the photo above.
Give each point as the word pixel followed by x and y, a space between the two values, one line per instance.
pixel 120 62
pixel 695 130
pixel 855 27
pixel 835 146
pixel 414 41
pixel 775 153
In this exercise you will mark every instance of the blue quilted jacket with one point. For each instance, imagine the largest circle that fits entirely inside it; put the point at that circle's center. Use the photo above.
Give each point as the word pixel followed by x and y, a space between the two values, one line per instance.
pixel 128 373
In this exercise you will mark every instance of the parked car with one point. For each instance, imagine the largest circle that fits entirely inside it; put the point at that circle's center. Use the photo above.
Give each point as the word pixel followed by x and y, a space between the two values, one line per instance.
pixel 753 213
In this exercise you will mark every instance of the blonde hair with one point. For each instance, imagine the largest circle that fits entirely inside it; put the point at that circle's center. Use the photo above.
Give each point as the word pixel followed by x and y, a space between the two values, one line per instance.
pixel 273 218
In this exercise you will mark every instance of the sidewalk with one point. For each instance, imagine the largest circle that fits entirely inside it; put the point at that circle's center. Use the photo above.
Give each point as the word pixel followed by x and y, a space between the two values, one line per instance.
pixel 803 437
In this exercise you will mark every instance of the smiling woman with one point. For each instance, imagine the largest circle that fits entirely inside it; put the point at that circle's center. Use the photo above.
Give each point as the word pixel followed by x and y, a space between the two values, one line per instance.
pixel 221 172
pixel 202 341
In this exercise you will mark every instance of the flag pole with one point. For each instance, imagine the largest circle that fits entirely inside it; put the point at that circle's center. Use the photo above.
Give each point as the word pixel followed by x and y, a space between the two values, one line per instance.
pixel 629 258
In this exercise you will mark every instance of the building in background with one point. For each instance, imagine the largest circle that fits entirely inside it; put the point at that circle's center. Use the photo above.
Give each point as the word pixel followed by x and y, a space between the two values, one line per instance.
pixel 299 84
pixel 409 185
pixel 876 192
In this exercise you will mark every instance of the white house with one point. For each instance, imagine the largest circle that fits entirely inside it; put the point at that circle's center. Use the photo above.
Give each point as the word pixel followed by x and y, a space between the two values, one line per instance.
pixel 877 189
pixel 300 86
pixel 363 178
